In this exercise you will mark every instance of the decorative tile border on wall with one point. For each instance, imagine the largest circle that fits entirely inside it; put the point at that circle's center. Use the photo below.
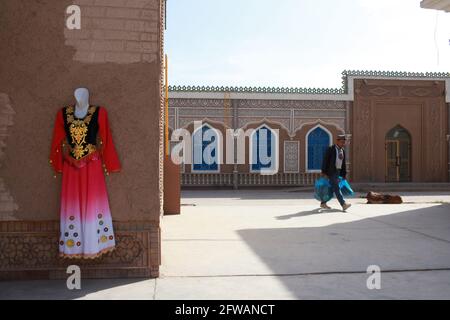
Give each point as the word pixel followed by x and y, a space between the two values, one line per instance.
pixel 29 250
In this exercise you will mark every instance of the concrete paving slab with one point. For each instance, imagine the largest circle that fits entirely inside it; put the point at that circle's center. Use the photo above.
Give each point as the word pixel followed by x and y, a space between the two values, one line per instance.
pixel 404 285
pixel 91 289
pixel 276 244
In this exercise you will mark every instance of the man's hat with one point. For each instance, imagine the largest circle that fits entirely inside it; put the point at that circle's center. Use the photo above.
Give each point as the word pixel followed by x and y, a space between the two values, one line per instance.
pixel 341 137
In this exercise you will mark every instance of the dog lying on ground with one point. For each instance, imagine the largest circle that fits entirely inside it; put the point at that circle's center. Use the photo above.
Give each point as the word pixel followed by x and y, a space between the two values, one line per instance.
pixel 378 198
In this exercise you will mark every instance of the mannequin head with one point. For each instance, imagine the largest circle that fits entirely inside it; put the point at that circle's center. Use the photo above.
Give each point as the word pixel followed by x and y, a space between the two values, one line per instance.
pixel 82 97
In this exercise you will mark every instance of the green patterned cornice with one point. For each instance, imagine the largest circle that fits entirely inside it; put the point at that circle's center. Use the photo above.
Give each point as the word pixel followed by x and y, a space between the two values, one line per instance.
pixel 389 74
pixel 335 91
pixel 255 90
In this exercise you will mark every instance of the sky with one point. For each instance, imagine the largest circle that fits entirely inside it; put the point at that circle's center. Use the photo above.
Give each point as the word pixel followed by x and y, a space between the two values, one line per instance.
pixel 300 43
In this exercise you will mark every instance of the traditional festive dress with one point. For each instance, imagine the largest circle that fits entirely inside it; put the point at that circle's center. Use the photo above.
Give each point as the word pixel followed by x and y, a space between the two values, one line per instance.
pixel 78 149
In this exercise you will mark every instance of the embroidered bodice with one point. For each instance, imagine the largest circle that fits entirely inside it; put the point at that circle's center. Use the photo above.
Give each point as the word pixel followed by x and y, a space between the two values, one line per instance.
pixel 81 133
pixel 75 139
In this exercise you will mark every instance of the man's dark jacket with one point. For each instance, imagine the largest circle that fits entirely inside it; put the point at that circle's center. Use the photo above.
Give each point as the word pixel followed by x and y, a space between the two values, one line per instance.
pixel 329 163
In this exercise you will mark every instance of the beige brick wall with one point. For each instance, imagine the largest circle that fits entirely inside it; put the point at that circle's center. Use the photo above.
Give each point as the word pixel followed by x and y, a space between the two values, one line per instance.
pixel 37 78
pixel 118 31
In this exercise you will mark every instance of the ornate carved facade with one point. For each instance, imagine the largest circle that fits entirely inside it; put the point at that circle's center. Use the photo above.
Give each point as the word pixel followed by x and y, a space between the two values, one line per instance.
pixel 367 106
pixel 417 106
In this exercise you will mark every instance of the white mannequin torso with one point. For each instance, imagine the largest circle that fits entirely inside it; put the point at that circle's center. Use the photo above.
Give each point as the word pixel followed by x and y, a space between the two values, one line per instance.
pixel 82 105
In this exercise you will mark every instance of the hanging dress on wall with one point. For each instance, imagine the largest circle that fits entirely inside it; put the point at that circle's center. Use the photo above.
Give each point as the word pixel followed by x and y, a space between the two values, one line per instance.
pixel 82 149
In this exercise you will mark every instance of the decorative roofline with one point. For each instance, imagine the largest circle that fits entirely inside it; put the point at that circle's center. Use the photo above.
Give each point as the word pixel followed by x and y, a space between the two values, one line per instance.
pixel 389 74
pixel 343 90
pixel 255 89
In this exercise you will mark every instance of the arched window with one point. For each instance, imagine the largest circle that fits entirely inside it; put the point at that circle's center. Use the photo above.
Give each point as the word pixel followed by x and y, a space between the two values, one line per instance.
pixel 318 140
pixel 206 148
pixel 263 150
pixel 398 133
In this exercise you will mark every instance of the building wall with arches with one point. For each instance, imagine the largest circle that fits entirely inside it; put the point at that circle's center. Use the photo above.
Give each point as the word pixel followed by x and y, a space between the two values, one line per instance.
pixel 290 119
pixel 369 106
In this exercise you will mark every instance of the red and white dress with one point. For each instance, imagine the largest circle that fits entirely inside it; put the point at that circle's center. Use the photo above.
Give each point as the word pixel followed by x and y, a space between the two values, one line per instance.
pixel 79 147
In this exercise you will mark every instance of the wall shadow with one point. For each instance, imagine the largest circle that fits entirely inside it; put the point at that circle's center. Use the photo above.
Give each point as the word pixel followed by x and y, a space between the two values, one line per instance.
pixel 410 240
pixel 57 289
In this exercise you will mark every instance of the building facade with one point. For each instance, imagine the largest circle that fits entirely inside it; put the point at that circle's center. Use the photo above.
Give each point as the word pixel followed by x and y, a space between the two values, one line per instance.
pixel 118 55
pixel 396 123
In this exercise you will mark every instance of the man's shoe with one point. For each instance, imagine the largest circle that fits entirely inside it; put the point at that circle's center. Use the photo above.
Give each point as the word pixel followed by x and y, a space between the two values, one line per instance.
pixel 324 206
pixel 346 206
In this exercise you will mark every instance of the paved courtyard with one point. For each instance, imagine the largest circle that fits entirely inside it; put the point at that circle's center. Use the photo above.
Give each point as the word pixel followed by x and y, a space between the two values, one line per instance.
pixel 276 244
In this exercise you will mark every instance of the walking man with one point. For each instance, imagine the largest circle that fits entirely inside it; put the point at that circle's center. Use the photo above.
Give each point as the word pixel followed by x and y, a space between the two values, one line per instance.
pixel 333 166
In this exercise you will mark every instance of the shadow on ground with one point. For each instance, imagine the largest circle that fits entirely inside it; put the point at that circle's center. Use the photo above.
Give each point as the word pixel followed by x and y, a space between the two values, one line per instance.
pixel 57 289
pixel 307 213
pixel 416 240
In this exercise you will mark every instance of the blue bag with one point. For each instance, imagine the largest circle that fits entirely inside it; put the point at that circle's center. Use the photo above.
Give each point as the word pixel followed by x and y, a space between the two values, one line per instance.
pixel 324 193
pixel 322 190
pixel 345 187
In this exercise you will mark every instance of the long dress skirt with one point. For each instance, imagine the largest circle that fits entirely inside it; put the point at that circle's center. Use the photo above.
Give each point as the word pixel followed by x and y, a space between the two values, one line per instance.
pixel 86 223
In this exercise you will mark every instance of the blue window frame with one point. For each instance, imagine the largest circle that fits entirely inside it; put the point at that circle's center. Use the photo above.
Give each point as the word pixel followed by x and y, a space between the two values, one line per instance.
pixel 262 149
pixel 318 142
pixel 200 142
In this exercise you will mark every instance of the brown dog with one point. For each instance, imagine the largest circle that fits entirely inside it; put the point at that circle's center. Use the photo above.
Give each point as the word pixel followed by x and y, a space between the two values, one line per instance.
pixel 378 198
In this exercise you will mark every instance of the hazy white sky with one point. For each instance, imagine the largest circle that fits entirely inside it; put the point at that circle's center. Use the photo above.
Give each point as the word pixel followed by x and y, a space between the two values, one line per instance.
pixel 300 43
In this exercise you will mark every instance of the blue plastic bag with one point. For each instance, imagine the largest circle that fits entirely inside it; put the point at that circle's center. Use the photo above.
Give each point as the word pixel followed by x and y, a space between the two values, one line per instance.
pixel 322 190
pixel 345 187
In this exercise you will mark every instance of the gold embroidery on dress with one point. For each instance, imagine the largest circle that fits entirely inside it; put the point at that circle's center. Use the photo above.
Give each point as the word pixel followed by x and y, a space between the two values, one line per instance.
pixel 91 148
pixel 78 131
pixel 78 151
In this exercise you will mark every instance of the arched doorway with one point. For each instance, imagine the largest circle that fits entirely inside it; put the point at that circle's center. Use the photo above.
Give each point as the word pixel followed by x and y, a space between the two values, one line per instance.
pixel 398 155
pixel 318 139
